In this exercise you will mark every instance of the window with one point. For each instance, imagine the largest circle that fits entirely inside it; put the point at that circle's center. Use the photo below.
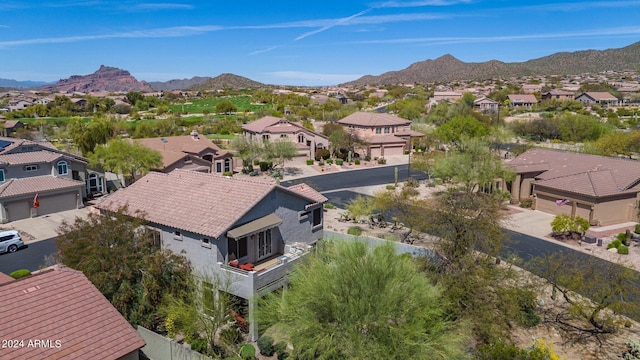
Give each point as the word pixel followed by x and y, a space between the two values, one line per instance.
pixel 242 247
pixel 227 165
pixel 317 216
pixel 387 130
pixel 95 185
pixel 177 235
pixel 283 136
pixel 205 243
pixel 31 168
pixel 265 137
pixel 1 175
pixel 155 236
pixel 378 130
pixel 301 138
pixel 302 215
pixel 62 168
pixel 218 167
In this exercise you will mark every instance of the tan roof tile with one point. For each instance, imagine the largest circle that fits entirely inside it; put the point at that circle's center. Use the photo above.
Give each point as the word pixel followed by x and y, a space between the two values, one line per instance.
pixel 30 157
pixel 369 119
pixel 37 184
pixel 62 304
pixel 186 143
pixel 259 125
pixel 308 192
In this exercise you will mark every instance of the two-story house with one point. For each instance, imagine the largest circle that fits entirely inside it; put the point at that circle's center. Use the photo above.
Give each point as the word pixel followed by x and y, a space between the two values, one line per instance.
pixel 557 94
pixel 190 152
pixel 247 233
pixel 486 105
pixel 59 180
pixel 274 128
pixel 384 134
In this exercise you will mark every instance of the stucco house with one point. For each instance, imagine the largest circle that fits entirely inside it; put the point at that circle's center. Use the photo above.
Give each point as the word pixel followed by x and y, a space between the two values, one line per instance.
pixel 60 180
pixel 557 94
pixel 11 126
pixel 248 232
pixel 190 152
pixel 273 128
pixel 385 134
pixel 525 100
pixel 486 105
pixel 595 97
pixel 604 190
pixel 57 313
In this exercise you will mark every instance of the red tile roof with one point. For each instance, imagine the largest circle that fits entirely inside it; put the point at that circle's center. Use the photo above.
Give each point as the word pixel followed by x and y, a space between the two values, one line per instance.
pixel 201 203
pixel 522 98
pixel 370 119
pixel 580 173
pixel 37 184
pixel 62 306
pixel 601 96
pixel 259 125
pixel 308 192
pixel 30 157
pixel 186 143
pixel 4 278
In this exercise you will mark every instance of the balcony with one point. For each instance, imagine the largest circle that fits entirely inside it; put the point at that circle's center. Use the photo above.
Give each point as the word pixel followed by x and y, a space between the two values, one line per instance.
pixel 267 275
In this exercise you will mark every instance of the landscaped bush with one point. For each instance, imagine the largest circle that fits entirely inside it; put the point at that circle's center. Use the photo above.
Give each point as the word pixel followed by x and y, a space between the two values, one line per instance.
pixel 20 273
pixel 309 161
pixel 357 161
pixel 247 352
pixel 330 161
pixel 256 162
pixel 329 206
pixel 264 166
pixel 382 161
pixel 323 154
pixel 526 203
pixel 339 162
pixel 265 344
pixel 367 158
pixel 637 231
pixel 230 336
pixel 623 250
pixel 391 187
pixel 355 231
pixel 614 244
pixel 199 344
pixel 321 163
pixel 227 173
pixel 281 349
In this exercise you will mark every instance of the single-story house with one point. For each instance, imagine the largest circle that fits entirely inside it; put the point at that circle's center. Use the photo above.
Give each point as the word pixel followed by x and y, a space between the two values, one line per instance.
pixel 603 190
pixel 385 134
pixel 56 313
pixel 486 105
pixel 526 100
pixel 11 126
pixel 557 94
pixel 248 232
pixel 597 97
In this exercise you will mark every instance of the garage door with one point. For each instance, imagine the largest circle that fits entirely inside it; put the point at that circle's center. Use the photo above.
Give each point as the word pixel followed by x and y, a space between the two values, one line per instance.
pixel 548 205
pixel 375 152
pixel 393 150
pixel 56 203
pixel 19 210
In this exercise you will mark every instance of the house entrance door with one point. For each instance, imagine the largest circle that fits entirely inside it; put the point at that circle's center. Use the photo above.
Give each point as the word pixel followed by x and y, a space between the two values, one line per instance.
pixel 265 245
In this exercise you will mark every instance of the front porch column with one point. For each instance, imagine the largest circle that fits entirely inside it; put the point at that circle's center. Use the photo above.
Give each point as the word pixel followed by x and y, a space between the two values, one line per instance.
pixel 253 324
pixel 515 189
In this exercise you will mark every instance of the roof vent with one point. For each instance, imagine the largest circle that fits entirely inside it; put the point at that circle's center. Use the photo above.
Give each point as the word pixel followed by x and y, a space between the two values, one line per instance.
pixel 31 289
pixel 194 134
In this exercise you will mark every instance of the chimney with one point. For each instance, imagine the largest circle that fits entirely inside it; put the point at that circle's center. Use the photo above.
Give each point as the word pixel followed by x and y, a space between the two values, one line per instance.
pixel 194 134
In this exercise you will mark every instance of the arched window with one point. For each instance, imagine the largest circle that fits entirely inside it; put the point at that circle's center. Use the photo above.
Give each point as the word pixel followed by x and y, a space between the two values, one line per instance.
pixel 62 168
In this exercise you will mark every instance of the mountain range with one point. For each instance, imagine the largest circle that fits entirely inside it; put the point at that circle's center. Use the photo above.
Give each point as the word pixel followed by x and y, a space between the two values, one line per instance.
pixel 443 69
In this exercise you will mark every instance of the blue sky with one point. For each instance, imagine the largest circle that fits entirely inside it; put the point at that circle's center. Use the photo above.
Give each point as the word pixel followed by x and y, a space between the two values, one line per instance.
pixel 294 42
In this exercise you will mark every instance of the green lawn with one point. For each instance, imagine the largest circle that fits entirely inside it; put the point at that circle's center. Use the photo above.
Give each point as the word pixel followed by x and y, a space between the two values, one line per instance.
pixel 52 120
pixel 222 136
pixel 197 106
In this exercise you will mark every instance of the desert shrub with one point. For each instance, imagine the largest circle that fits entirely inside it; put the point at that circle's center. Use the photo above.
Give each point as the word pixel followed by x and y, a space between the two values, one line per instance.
pixel 20 273
pixel 526 203
pixel 621 236
pixel 265 344
pixel 637 231
pixel 355 231
pixel 540 350
pixel 382 161
pixel 339 162
pixel 256 162
pixel 321 163
pixel 411 182
pixel 357 162
pixel 624 250
pixel 330 161
pixel 329 206
pixel 309 161
pixel 227 173
pixel 323 154
pixel 614 244
pixel 230 336
pixel 633 350
pixel 247 352
pixel 391 187
pixel 367 158
pixel 264 166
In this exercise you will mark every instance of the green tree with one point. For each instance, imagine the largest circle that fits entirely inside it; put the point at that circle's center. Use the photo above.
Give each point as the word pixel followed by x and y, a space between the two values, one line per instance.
pixel 118 255
pixel 279 151
pixel 358 207
pixel 459 127
pixel 225 107
pixel 350 301
pixel 133 97
pixel 247 148
pixel 86 136
pixel 128 158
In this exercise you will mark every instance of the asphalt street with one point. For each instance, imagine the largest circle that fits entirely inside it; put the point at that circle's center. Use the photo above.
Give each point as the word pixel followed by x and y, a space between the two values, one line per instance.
pixel 31 257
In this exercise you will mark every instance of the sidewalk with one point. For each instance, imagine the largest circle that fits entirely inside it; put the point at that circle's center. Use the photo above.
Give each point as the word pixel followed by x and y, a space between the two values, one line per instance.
pixel 44 227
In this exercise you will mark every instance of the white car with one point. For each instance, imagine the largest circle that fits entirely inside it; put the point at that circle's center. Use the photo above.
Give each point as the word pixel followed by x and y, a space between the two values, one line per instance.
pixel 10 241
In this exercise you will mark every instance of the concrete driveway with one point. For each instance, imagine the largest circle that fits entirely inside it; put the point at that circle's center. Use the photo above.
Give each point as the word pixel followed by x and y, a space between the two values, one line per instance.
pixel 44 227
